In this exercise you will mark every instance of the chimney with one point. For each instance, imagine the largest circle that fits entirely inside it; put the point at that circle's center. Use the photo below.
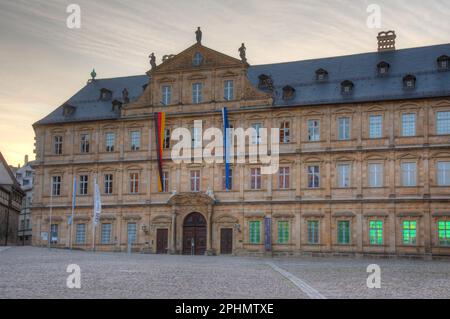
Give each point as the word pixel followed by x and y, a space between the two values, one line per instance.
pixel 386 41
pixel 26 160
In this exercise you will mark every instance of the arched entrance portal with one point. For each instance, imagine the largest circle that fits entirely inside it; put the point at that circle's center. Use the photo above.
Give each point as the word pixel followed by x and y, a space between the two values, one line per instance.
pixel 194 234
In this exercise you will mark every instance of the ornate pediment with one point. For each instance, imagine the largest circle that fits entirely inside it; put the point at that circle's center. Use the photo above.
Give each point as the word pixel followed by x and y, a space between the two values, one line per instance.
pixel 196 57
pixel 189 199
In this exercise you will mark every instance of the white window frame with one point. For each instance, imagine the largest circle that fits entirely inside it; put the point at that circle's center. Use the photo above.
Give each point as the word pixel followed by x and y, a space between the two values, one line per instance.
pixel 443 123
pixel 313 175
pixel 109 179
pixel 110 141
pixel 409 174
pixel 443 173
pixel 197 95
pixel 375 126
pixel 344 128
pixel 344 175
pixel 284 178
pixel 229 90
pixel 134 183
pixel 84 185
pixel 313 130
pixel 106 231
pixel 375 173
pixel 56 185
pixel 256 134
pixel 135 138
pixel 408 124
pixel 195 180
pixel 255 178
pixel 80 234
pixel 57 145
pixel 85 143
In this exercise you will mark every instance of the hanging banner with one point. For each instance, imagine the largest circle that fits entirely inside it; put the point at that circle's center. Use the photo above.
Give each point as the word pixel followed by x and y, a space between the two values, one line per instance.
pixel 97 204
pixel 160 123
pixel 268 233
pixel 226 148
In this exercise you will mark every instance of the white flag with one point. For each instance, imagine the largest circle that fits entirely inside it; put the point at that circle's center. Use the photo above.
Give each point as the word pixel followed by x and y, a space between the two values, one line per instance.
pixel 97 204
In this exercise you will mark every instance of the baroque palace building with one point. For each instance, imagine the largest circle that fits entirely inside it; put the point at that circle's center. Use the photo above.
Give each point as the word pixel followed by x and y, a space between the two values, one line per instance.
pixel 364 157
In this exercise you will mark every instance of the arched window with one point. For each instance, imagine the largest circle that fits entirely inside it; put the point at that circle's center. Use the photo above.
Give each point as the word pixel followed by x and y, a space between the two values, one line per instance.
pixel 265 82
pixel 409 82
pixel 347 87
pixel 288 93
pixel 443 63
pixel 321 75
pixel 383 68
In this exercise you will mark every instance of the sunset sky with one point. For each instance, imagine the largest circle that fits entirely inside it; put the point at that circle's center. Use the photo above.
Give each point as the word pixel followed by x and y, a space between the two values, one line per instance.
pixel 43 63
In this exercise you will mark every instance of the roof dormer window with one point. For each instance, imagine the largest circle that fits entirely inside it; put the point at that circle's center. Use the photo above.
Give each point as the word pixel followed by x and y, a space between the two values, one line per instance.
pixel 116 105
pixel 105 94
pixel 383 68
pixel 409 82
pixel 288 93
pixel 321 75
pixel 443 63
pixel 68 110
pixel 347 87
pixel 265 82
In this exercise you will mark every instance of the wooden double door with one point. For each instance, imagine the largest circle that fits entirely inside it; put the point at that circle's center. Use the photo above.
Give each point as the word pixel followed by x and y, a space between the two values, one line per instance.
pixel 194 234
pixel 162 240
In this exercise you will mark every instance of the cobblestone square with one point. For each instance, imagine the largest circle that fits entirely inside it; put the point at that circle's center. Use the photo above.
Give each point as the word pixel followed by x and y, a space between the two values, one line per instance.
pixel 29 272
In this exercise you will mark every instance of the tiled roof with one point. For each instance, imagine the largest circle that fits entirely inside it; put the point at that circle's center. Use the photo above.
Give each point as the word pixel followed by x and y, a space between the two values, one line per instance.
pixel 361 69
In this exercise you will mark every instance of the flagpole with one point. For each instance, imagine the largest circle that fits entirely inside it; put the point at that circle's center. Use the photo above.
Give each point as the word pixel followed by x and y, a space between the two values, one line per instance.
pixel 94 215
pixel 74 192
pixel 50 219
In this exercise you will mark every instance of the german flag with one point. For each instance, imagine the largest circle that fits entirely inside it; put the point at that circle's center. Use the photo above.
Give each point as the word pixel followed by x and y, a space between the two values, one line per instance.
pixel 160 125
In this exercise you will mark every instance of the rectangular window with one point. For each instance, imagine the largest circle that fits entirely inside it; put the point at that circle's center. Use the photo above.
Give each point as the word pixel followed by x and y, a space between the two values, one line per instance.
pixel 285 134
pixel 313 232
pixel 343 232
pixel 443 172
pixel 196 137
pixel 57 145
pixel 444 232
pixel 409 174
pixel 131 233
pixel 409 232
pixel 255 232
pixel 375 126
pixel 229 90
pixel 376 232
pixel 443 123
pixel 197 93
pixel 80 237
pixel 255 178
pixel 166 94
pixel 284 178
pixel 84 146
pixel 134 183
pixel 313 176
pixel 195 181
pixel 344 128
pixel 166 143
pixel 375 175
pixel 343 175
pixel 230 179
pixel 108 183
pixel 256 135
pixel 409 124
pixel 84 184
pixel 106 234
pixel 165 181
pixel 283 232
pixel 56 185
pixel 135 140
pixel 314 130
pixel 110 141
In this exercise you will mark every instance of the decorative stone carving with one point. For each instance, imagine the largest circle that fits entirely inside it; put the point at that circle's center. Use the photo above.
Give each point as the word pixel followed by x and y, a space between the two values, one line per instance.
pixel 152 60
pixel 242 53
pixel 187 199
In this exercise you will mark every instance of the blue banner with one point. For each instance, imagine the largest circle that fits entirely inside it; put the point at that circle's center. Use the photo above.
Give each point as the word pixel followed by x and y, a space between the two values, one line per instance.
pixel 268 233
pixel 226 148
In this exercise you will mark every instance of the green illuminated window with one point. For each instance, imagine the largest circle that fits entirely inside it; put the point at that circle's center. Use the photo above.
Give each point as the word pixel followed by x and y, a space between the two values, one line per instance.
pixel 376 232
pixel 255 233
pixel 283 232
pixel 344 232
pixel 444 232
pixel 409 232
